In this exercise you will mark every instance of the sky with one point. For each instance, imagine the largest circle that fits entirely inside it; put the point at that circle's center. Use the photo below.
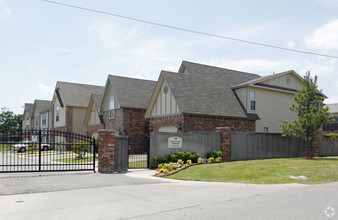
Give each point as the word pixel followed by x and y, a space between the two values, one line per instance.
pixel 42 43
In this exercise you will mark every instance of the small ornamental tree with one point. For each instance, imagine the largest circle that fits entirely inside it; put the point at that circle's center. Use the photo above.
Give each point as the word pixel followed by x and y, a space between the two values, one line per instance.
pixel 310 110
pixel 9 120
pixel 80 149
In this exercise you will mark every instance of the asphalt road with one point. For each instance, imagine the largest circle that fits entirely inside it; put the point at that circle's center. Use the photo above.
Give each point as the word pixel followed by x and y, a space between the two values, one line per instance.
pixel 117 196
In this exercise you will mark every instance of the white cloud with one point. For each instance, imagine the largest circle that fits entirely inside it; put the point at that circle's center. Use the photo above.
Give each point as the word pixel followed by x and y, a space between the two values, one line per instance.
pixel 324 38
pixel 45 89
pixel 4 10
pixel 114 35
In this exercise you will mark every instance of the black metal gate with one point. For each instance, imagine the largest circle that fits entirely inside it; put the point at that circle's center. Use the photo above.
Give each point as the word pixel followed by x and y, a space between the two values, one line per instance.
pixel 138 153
pixel 45 150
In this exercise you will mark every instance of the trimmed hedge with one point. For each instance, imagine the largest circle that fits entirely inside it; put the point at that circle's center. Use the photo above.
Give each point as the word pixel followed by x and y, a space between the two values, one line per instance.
pixel 184 156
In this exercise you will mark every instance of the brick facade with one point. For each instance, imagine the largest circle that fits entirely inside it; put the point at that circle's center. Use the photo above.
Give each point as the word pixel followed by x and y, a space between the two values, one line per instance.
pixel 176 120
pixel 130 122
pixel 202 123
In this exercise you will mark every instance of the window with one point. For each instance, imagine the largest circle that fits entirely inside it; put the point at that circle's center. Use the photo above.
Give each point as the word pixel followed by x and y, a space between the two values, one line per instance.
pixel 44 119
pixel 57 114
pixel 36 122
pixel 252 100
pixel 266 129
pixel 27 123
pixel 111 108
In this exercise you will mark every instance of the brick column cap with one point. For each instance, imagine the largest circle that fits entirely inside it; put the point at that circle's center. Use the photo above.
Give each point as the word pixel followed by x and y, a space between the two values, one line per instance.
pixel 105 130
pixel 223 128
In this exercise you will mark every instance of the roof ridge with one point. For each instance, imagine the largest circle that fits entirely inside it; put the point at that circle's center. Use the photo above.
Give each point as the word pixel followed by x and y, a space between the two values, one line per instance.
pixel 73 83
pixel 132 78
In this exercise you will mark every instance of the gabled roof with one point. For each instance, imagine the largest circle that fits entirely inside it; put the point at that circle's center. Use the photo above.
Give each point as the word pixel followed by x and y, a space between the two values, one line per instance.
pixel 264 78
pixel 29 108
pixel 206 90
pixel 131 92
pixel 41 106
pixel 333 108
pixel 94 102
pixel 75 94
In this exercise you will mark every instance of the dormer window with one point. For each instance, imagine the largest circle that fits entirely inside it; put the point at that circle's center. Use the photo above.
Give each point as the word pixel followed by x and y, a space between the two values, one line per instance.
pixel 57 113
pixel 111 108
pixel 252 100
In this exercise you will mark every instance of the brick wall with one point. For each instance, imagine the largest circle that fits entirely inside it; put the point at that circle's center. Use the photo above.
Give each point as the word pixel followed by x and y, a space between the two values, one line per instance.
pixel 203 123
pixel 176 120
pixel 210 123
pixel 131 122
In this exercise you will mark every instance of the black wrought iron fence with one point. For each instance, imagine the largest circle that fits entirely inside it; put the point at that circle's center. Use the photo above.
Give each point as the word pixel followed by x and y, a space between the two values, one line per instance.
pixel 45 150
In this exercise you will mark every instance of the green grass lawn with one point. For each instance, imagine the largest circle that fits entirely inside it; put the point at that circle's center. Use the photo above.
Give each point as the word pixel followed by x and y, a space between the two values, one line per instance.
pixel 76 160
pixel 138 164
pixel 269 171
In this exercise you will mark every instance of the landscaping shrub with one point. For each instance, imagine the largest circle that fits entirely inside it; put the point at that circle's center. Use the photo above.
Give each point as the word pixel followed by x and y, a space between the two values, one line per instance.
pixel 170 168
pixel 172 157
pixel 189 162
pixel 174 167
pixel 160 166
pixel 166 171
pixel 194 157
pixel 166 166
pixel 219 159
pixel 214 154
pixel 187 156
pixel 199 160
pixel 155 162
pixel 180 162
pixel 165 159
pixel 161 170
pixel 179 156
pixel 211 160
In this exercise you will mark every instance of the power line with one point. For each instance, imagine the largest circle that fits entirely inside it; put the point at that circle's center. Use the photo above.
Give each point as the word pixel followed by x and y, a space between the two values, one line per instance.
pixel 193 31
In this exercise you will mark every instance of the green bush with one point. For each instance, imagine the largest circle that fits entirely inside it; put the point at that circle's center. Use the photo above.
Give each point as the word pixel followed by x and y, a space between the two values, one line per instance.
pixel 166 171
pixel 179 156
pixel 174 167
pixel 170 168
pixel 200 160
pixel 194 157
pixel 172 157
pixel 180 162
pixel 331 135
pixel 160 166
pixel 166 166
pixel 211 160
pixel 161 170
pixel 154 162
pixel 218 159
pixel 214 154
pixel 156 174
pixel 189 162
pixel 187 156
pixel 165 159
pixel 80 149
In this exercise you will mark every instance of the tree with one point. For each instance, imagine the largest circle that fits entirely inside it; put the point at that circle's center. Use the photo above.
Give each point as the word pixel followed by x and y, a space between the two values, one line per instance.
pixel 310 111
pixel 9 120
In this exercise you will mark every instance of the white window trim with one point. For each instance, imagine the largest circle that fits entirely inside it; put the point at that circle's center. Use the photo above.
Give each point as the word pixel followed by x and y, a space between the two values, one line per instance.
pixel 253 100
pixel 112 108
pixel 57 114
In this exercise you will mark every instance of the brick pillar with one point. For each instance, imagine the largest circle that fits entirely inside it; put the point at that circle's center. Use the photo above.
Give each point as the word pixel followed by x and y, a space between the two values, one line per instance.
pixel 106 150
pixel 315 147
pixel 225 142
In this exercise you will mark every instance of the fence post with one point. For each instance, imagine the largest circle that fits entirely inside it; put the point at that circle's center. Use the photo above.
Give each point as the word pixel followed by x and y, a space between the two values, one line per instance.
pixel 106 150
pixel 225 142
